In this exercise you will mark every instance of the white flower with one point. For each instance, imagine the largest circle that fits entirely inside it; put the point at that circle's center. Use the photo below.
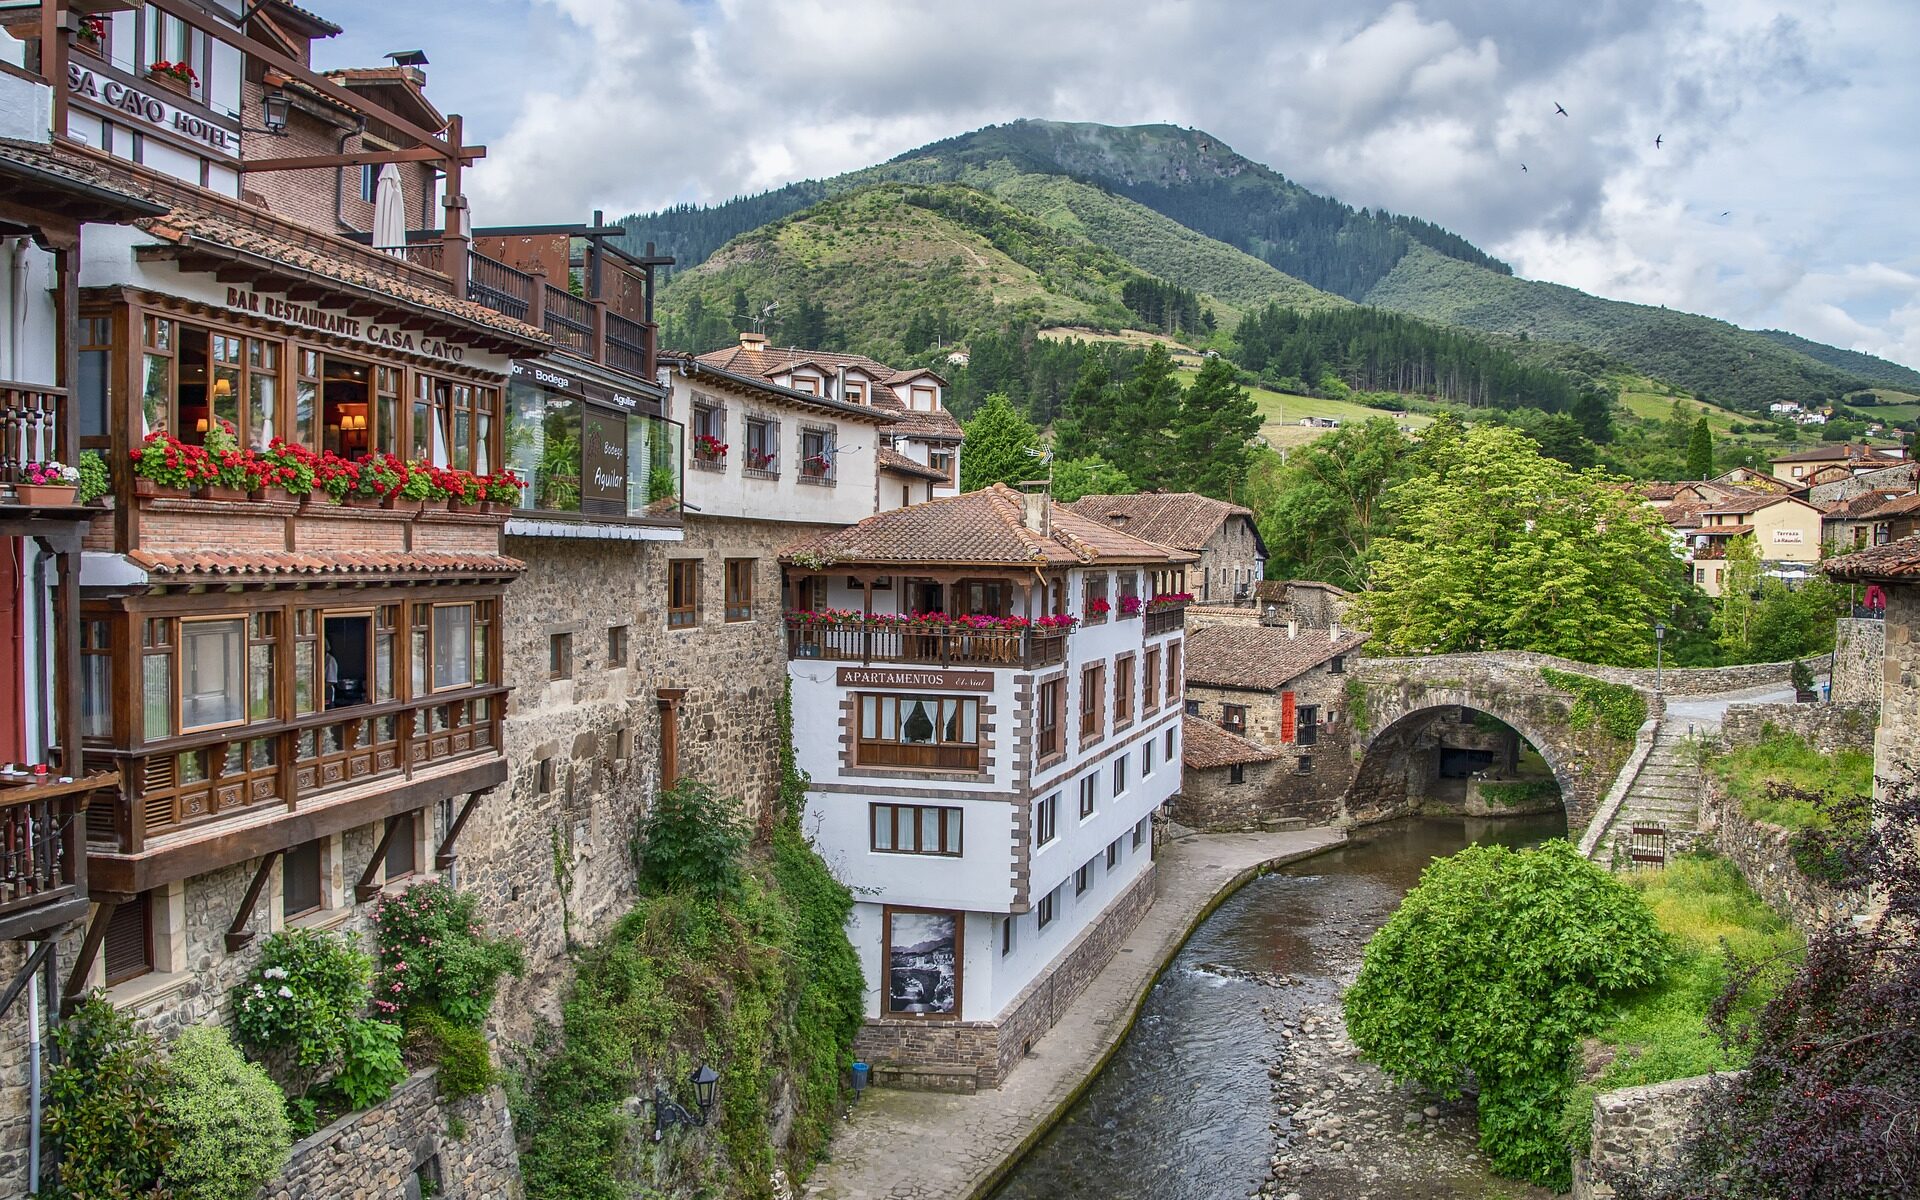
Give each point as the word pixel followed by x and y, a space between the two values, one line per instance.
pixel 286 993
pixel 275 972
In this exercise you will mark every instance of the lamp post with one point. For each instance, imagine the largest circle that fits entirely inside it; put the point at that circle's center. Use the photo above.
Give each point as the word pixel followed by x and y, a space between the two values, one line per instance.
pixel 1659 656
pixel 667 1113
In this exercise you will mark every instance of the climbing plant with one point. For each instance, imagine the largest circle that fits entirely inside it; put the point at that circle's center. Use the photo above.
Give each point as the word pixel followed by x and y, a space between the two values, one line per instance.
pixel 1619 710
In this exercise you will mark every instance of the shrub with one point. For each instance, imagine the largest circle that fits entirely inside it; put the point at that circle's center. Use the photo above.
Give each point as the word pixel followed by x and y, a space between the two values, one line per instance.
pixel 295 1008
pixel 691 841
pixel 1619 710
pixel 371 1066
pixel 103 1106
pixel 466 1067
pixel 94 479
pixel 435 953
pixel 227 1117
pixel 1494 967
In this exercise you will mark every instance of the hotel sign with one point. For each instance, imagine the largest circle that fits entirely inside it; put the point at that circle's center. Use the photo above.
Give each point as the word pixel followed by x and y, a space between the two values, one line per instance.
pixel 144 106
pixel 907 677
pixel 392 337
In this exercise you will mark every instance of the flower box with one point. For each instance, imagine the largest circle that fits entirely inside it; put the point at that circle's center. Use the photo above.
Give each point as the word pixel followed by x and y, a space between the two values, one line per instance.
pixel 214 491
pixel 45 495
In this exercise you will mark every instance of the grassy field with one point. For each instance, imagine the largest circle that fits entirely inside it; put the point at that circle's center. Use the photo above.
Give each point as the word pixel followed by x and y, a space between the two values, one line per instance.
pixel 1644 398
pixel 1281 413
pixel 1903 407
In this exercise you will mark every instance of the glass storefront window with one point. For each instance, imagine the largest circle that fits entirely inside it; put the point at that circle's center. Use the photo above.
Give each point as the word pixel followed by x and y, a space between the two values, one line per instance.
pixel 546 446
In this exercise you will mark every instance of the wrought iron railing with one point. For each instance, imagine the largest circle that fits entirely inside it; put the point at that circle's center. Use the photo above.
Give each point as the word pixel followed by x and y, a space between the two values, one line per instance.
pixel 629 345
pixel 498 286
pixel 570 320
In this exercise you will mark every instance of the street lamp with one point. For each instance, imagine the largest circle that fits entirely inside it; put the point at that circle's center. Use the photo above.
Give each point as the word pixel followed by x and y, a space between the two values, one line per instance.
pixel 1659 657
pixel 667 1113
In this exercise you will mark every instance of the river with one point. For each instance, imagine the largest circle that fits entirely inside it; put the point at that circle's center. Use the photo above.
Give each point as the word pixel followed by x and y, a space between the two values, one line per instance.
pixel 1240 1061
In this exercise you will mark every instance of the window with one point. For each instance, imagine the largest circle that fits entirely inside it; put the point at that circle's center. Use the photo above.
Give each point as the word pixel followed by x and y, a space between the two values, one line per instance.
pixel 96 355
pixel 1306 728
pixel 683 593
pixel 1174 683
pixel 560 656
pixel 1123 675
pixel 1305 766
pixel 1089 788
pixel 1146 760
pixel 920 732
pixel 212 674
pixel 708 431
pixel 459 652
pixel 914 829
pixel 172 40
pixel 816 454
pixel 1094 591
pixel 941 461
pixel 616 645
pixel 1338 666
pixel 369 181
pixel 1120 775
pixel 1006 936
pixel 1044 913
pixel 96 679
pixel 1129 593
pixel 1140 828
pixel 1113 854
pixel 1233 718
pixel 739 581
pixel 400 848
pixel 1083 878
pixel 1093 701
pixel 1046 820
pixel 1236 774
pixel 1052 712
pixel 128 947
pixel 763 447
pixel 1150 689
pixel 854 392
pixel 1193 708
pixel 1170 734
pixel 300 891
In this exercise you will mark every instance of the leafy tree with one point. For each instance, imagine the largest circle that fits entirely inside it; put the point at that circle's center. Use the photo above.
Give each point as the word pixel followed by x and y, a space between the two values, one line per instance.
pixel 1700 451
pixel 1086 424
pixel 228 1118
pixel 1495 547
pixel 103 1106
pixel 1739 588
pixel 1094 476
pixel 1217 421
pixel 1494 967
pixel 691 841
pixel 1319 510
pixel 807 328
pixel 998 443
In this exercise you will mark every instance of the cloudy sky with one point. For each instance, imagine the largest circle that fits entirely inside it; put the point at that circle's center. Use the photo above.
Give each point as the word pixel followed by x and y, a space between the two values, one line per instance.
pixel 1786 192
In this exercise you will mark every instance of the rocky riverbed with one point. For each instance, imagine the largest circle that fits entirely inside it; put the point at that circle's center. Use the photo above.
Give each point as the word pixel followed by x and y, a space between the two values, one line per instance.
pixel 1239 1079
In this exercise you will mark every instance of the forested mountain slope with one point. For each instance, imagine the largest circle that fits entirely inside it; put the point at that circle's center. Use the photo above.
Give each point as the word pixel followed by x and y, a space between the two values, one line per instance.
pixel 1877 371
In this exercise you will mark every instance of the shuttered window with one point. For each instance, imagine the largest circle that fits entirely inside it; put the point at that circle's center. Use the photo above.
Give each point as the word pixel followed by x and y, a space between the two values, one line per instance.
pixel 129 941
pixel 400 863
pixel 300 880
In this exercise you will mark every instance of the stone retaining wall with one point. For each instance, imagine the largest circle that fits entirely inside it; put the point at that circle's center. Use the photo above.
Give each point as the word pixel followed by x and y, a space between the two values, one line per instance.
pixel 1674 681
pixel 1859 660
pixel 1635 1129
pixel 1764 854
pixel 389 1149
pixel 965 1055
pixel 1826 727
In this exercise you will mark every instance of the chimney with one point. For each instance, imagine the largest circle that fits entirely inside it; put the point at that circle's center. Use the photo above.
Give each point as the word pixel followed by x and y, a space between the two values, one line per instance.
pixel 750 340
pixel 1293 630
pixel 1333 631
pixel 1036 507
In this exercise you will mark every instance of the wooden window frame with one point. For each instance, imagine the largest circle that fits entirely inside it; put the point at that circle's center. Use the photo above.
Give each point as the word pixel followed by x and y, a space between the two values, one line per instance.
pixel 1047 910
pixel 1083 878
pixel 560 656
pixel 148 964
pixel 737 575
pixel 683 584
pixel 1089 795
pixel 617 645
pixel 1150 685
pixel 1140 831
pixel 1125 670
pixel 951 822
pixel 1089 593
pixel 1113 853
pixel 1175 684
pixel 475 677
pixel 320 880
pixel 1093 702
pixel 1052 719
pixel 180 672
pixel 1233 718
pixel 959 962
pixel 869 752
pixel 1306 725
pixel 1046 820
pixel 1236 773
pixel 1119 775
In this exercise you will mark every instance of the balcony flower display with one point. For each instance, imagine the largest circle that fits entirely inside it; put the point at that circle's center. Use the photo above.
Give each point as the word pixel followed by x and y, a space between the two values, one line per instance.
pixel 502 487
pixel 708 448
pixel 815 465
pixel 337 476
pixel 1168 600
pixel 48 482
pixel 1130 606
pixel 290 467
pixel 451 483
pixel 179 74
pixel 1098 608
pixel 92 32
pixel 761 460
pixel 168 462
pixel 930 622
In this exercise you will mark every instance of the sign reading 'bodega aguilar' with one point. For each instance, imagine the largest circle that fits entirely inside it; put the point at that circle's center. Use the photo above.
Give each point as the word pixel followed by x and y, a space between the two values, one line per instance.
pixel 907 677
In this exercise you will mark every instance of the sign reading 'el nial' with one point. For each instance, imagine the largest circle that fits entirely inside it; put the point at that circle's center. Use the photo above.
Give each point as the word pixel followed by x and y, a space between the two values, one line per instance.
pixel 907 677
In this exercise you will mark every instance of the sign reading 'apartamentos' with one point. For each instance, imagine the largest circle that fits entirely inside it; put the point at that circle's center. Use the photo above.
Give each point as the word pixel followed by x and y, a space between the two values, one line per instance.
pixel 906 677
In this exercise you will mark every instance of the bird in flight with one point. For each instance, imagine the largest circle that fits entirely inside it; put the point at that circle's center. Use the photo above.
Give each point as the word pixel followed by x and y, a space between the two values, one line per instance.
pixel 1657 139
pixel 1523 166
pixel 1727 213
pixel 1558 109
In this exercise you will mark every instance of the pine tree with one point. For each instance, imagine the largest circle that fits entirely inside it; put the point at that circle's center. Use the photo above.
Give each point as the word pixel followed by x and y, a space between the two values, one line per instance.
pixel 1142 434
pixel 1700 451
pixel 1217 422
pixel 1087 419
pixel 998 441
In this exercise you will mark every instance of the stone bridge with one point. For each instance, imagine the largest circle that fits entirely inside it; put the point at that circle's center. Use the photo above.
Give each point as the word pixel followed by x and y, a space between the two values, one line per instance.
pixel 1393 701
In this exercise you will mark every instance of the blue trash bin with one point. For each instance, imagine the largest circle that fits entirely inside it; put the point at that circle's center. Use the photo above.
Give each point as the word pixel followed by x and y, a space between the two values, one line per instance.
pixel 861 1074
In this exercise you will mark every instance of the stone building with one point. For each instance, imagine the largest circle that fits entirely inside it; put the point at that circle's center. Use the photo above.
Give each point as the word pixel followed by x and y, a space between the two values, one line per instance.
pixel 1226 780
pixel 1306 603
pixel 1232 557
pixel 1282 690
pixel 987 704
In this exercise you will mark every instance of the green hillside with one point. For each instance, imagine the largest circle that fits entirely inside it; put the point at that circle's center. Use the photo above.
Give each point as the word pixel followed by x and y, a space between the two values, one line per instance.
pixel 1877 371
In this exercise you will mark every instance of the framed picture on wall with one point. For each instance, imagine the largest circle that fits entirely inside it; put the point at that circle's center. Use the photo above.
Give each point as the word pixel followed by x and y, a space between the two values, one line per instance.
pixel 923 955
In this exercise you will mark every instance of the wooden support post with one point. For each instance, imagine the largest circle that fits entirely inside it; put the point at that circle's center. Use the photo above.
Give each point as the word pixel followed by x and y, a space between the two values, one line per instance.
pixel 23 978
pixel 669 699
pixel 367 889
pixel 537 302
pixel 66 652
pixel 53 59
pixel 457 238
pixel 238 935
pixel 866 623
pixel 89 950
pixel 444 856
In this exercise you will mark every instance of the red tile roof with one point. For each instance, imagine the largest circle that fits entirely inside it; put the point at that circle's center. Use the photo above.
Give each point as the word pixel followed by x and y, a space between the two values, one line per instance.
pixel 1204 746
pixel 336 562
pixel 35 166
pixel 767 362
pixel 982 527
pixel 900 464
pixel 1836 452
pixel 1723 530
pixel 1182 519
pixel 1897 560
pixel 1746 502
pixel 1258 657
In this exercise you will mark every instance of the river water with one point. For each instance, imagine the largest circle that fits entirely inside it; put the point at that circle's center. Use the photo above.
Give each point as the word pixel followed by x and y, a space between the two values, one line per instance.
pixel 1240 1060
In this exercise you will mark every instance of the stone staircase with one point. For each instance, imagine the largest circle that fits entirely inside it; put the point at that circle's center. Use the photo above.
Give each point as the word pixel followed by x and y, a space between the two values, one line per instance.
pixel 1665 791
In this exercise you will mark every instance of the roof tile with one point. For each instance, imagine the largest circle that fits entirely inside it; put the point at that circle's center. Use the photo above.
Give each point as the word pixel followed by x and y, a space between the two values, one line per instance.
pixel 1204 745
pixel 1182 519
pixel 332 562
pixel 1897 560
pixel 1260 657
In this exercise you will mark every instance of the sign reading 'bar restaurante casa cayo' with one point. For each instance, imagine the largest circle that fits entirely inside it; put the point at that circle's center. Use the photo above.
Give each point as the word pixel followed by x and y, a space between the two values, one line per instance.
pixel 895 677
pixel 307 316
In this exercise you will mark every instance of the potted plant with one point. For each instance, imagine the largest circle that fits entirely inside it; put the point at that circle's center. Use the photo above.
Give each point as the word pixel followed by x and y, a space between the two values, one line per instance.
pixel 337 476
pixel 761 460
pixel 95 481
pixel 92 34
pixel 49 483
pixel 501 491
pixel 708 448
pixel 178 75
pixel 1130 606
pixel 164 464
pixel 374 479
pixel 415 483
pixel 1801 676
pixel 291 468
pixel 225 476
pixel 464 489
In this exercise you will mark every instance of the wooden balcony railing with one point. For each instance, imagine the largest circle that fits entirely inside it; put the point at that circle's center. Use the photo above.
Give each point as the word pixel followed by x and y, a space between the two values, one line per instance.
pixel 925 645
pixel 919 757
pixel 290 765
pixel 41 847
pixel 1165 619
pixel 29 427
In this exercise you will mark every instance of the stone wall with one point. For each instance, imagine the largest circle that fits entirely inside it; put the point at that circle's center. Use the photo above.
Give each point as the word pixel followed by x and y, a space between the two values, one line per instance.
pixel 1826 727
pixel 1283 789
pixel 1209 799
pixel 1674 681
pixel 1230 559
pixel 966 1055
pixel 1764 854
pixel 1859 660
pixel 1635 1129
pixel 388 1150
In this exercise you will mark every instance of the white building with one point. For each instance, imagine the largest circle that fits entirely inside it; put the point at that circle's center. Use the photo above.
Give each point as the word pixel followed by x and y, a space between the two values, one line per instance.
pixel 984 782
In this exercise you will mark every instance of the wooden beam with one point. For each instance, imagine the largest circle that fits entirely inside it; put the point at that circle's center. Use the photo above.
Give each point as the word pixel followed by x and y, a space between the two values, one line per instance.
pixel 314 162
pixel 238 274
pixel 443 857
pixel 238 935
pixel 89 950
pixel 367 889
pixel 305 293
pixel 24 976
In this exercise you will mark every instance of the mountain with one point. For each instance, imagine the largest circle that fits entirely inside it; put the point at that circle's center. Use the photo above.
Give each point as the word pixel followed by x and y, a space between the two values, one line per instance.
pixel 1180 206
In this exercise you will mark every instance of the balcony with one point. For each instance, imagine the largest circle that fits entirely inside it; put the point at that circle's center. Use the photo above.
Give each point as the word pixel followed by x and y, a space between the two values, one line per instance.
pixel 882 640
pixel 1165 617
pixel 30 431
pixel 42 866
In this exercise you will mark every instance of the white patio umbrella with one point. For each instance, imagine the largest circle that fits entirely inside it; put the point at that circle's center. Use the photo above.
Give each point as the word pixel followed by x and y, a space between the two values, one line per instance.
pixel 389 213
